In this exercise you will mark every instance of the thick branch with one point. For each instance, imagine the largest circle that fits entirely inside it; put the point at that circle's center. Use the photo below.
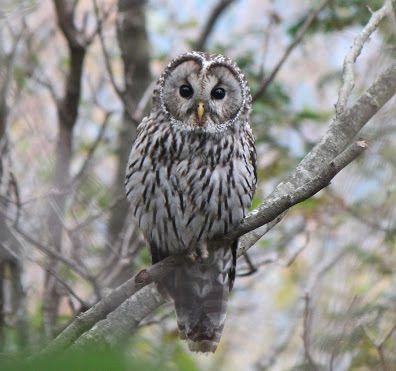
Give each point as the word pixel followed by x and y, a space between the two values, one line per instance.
pixel 276 204
pixel 124 321
pixel 100 310
pixel 344 128
pixel 65 16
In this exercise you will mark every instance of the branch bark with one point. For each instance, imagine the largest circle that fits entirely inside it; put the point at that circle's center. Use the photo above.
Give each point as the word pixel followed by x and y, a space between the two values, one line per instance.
pixel 348 82
pixel 109 303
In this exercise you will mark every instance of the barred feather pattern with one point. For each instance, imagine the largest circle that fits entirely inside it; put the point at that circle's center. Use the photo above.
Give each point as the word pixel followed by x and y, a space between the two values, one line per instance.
pixel 188 187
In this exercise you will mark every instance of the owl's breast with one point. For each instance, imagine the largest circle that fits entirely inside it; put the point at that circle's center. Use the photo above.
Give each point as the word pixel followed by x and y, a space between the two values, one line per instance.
pixel 189 192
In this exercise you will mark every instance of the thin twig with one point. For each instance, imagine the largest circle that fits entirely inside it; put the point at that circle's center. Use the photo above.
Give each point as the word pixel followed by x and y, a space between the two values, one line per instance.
pixel 93 148
pixel 97 215
pixel 48 251
pixel 297 40
pixel 379 346
pixel 100 21
pixel 348 77
pixel 212 19
pixel 251 267
pixel 307 322
pixel 69 289
pixel 107 60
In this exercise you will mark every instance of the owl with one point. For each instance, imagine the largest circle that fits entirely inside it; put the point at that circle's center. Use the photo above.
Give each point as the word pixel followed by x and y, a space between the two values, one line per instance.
pixel 190 179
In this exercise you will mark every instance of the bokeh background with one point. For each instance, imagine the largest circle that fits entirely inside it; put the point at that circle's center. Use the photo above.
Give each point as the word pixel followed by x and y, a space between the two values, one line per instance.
pixel 317 292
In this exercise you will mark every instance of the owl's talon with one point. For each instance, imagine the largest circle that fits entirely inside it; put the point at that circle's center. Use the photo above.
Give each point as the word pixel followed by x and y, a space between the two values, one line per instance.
pixel 192 256
pixel 204 251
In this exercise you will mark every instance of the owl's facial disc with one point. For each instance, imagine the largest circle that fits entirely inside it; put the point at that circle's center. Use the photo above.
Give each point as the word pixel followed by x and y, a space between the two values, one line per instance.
pixel 202 97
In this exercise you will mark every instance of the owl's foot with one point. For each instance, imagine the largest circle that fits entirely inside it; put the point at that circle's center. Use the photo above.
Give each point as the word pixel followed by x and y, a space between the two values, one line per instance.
pixel 193 257
pixel 199 254
pixel 203 251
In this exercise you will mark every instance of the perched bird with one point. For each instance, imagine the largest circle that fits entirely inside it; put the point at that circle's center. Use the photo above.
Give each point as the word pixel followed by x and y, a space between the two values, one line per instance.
pixel 190 178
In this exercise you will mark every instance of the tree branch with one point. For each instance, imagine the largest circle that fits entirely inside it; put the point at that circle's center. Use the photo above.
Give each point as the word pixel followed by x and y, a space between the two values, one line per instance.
pixel 307 323
pixel 297 40
pixel 80 173
pixel 160 270
pixel 348 74
pixel 109 303
pixel 275 205
pixel 124 321
pixel 207 29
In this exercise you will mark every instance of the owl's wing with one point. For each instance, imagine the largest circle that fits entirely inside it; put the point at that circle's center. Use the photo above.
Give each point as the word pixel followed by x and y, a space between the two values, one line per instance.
pixel 252 158
pixel 251 162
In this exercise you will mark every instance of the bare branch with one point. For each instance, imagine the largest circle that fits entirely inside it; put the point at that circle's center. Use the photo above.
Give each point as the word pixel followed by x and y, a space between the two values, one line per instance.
pixel 93 148
pixel 109 303
pixel 212 19
pixel 307 330
pixel 124 321
pixel 96 216
pixel 6 74
pixel 297 40
pixel 120 92
pixel 251 267
pixel 348 78
pixel 144 101
pixel 100 20
pixel 51 252
pixel 276 204
pixel 393 4
pixel 67 112
pixel 46 83
pixel 379 346
pixel 251 238
pixel 68 288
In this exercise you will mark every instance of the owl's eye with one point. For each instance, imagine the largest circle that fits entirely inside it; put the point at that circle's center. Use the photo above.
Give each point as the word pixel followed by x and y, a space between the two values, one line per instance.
pixel 218 93
pixel 186 91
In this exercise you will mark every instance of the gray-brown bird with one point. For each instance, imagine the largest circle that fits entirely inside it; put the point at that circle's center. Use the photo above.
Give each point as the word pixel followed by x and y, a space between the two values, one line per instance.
pixel 190 178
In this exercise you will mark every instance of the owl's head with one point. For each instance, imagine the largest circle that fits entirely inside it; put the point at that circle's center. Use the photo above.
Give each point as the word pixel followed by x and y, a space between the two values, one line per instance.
pixel 198 91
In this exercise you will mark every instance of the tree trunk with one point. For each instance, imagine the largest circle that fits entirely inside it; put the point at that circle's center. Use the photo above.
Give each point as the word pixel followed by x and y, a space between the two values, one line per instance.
pixel 67 118
pixel 134 46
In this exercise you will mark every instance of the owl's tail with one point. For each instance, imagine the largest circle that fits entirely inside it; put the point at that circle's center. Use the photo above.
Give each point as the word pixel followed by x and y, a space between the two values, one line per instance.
pixel 200 292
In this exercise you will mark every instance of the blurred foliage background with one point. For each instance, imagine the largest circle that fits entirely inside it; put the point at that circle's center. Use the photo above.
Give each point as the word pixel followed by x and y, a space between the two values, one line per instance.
pixel 75 80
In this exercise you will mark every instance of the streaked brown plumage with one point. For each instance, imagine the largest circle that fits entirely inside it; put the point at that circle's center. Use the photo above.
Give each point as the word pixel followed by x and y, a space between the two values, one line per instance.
pixel 190 178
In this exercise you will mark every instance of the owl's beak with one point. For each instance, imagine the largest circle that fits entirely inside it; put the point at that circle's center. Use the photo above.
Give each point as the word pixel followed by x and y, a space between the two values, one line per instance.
pixel 200 110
